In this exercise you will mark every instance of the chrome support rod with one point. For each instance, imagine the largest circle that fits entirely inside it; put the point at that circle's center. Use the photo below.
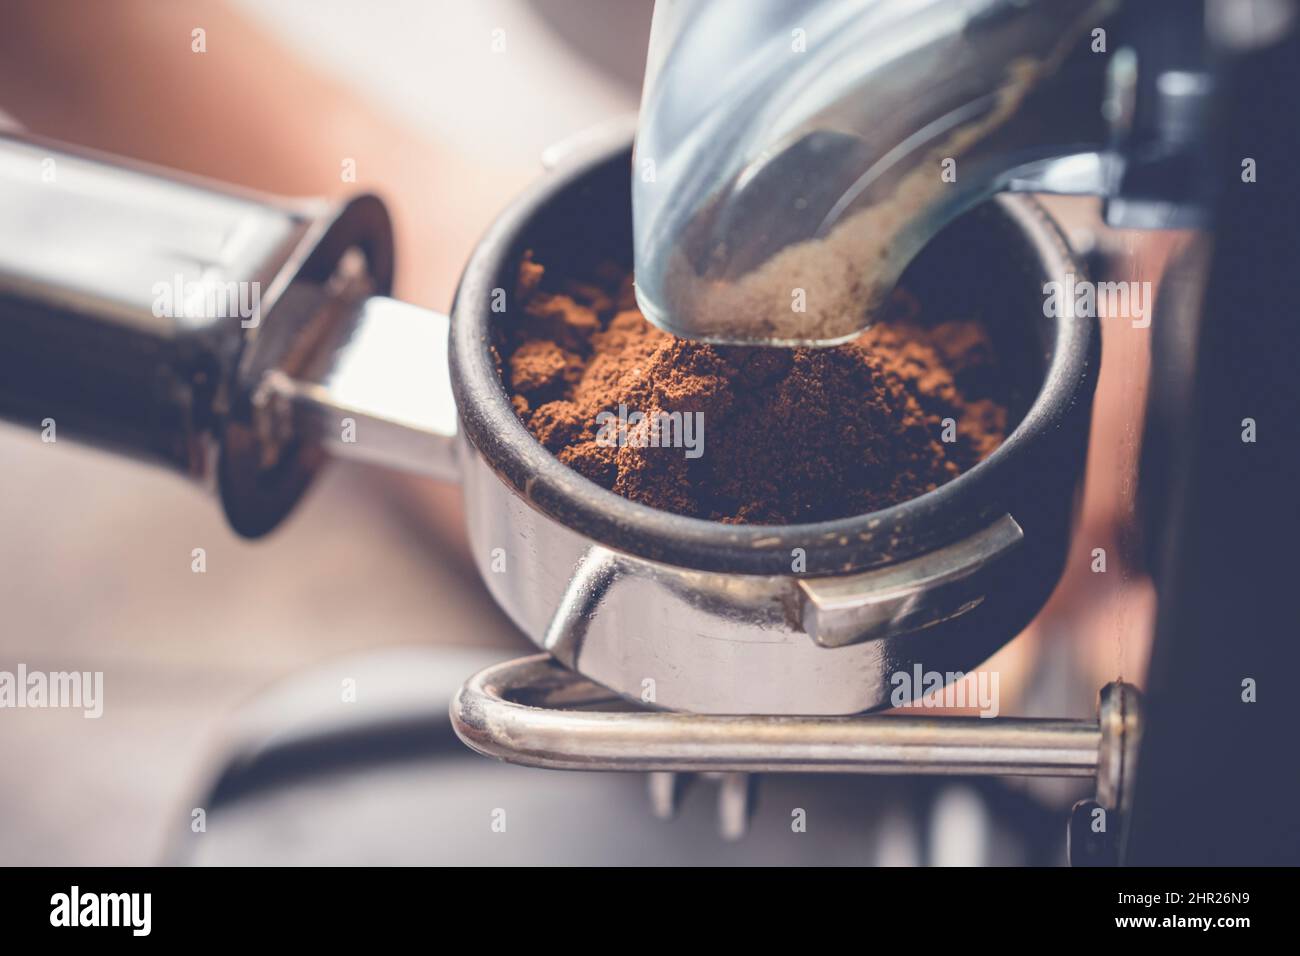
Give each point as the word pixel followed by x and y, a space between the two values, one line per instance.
pixel 533 711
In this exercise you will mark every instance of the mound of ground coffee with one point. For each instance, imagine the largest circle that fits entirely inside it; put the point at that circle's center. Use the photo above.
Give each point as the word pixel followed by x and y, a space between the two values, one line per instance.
pixel 737 434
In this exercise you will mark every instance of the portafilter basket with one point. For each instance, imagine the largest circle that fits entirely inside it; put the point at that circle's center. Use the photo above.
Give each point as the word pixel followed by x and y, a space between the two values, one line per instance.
pixel 695 615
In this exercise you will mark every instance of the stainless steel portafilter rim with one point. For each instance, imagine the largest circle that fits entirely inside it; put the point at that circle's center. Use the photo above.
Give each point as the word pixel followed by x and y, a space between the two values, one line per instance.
pixel 963 505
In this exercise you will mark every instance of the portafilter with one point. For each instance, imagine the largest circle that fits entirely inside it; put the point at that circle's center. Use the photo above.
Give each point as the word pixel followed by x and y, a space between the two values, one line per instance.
pixel 243 341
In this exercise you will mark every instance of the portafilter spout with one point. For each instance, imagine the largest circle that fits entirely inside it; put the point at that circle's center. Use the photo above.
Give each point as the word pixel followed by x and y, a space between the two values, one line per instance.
pixel 793 157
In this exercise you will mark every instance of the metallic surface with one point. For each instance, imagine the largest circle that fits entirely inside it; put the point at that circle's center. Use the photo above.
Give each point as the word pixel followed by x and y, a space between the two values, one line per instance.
pixel 724 639
pixel 1119 715
pixel 994 262
pixel 804 151
pixel 699 641
pixel 376 401
pixel 531 711
pixel 91 256
pixel 820 149
pixel 1098 828
pixel 141 310
pixel 852 608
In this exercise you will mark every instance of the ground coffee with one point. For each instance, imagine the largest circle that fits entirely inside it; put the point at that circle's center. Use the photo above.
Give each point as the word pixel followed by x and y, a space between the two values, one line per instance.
pixel 746 435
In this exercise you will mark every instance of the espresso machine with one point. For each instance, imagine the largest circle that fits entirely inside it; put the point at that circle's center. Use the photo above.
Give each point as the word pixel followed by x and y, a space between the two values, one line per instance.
pixel 891 138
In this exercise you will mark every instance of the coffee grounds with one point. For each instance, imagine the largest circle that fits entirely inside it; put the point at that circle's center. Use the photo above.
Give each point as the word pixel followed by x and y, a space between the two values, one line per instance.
pixel 788 435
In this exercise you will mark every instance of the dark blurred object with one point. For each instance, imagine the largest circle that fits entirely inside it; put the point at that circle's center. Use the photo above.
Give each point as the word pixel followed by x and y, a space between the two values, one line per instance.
pixel 1087 844
pixel 1218 780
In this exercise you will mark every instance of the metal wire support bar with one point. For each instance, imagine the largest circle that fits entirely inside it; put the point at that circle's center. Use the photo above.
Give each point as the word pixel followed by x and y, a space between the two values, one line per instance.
pixel 535 712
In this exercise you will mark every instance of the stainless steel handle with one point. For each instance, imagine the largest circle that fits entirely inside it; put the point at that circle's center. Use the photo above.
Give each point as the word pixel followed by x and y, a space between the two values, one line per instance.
pixel 176 320
pixel 105 276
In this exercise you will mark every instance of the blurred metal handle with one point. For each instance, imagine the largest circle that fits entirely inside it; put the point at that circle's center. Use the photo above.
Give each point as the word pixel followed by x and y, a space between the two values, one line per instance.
pixel 169 318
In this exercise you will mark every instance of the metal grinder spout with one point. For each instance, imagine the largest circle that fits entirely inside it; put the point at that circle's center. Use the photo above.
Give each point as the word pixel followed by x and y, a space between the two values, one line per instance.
pixel 792 157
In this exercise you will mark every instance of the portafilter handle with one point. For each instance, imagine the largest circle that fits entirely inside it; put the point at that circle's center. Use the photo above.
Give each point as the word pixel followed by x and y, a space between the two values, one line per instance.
pixel 226 335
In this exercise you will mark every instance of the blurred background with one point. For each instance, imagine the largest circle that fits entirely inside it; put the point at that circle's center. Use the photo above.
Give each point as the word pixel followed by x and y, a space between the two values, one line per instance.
pixel 371 575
